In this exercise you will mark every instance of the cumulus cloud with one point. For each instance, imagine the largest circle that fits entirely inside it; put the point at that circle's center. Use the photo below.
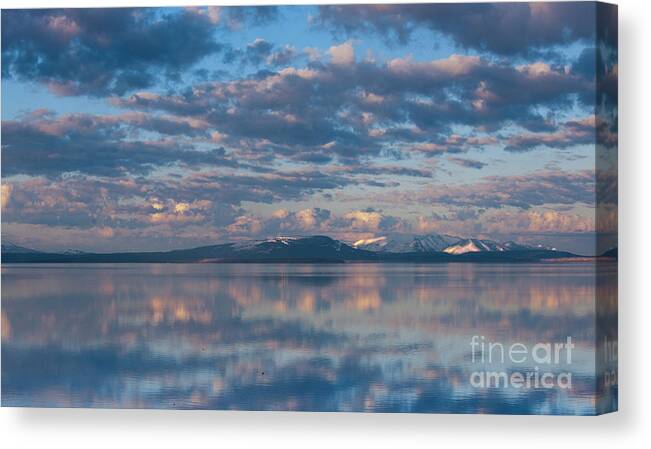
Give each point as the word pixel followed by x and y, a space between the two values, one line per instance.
pixel 207 197
pixel 204 209
pixel 6 194
pixel 359 219
pixel 348 225
pixel 537 222
pixel 342 54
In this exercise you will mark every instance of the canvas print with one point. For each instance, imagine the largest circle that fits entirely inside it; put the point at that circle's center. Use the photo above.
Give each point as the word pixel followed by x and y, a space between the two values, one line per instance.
pixel 351 208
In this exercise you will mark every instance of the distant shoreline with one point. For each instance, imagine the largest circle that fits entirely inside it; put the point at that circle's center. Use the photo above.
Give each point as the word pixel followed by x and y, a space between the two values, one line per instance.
pixel 314 249
pixel 487 258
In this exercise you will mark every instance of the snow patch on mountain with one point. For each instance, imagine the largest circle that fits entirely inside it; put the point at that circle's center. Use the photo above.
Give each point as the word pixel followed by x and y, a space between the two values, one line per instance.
pixel 407 243
pixel 473 246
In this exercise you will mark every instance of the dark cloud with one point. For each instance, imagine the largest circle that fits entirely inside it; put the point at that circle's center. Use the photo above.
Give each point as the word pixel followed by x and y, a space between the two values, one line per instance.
pixel 255 53
pixel 253 15
pixel 282 56
pixel 384 170
pixel 480 26
pixel 468 163
pixel 331 111
pixel 570 133
pixel 104 51
pixel 262 188
pixel 261 52
pixel 317 115
pixel 99 145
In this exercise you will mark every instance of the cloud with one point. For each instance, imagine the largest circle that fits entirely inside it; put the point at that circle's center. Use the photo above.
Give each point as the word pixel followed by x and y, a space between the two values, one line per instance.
pixel 497 192
pixel 349 225
pixel 107 145
pixel 203 209
pixel 337 142
pixel 244 225
pixel 468 163
pixel 254 53
pixel 283 56
pixel 5 194
pixel 239 17
pixel 538 221
pixel 343 54
pixel 180 212
pixel 487 27
pixel 206 197
pixel 261 52
pixel 380 170
pixel 101 51
pixel 570 133
pixel 368 220
pixel 349 112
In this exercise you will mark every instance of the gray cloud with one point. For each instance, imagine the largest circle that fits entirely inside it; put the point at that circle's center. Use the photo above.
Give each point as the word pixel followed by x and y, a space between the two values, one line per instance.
pixel 99 145
pixel 104 51
pixel 468 163
pixel 480 26
pixel 496 192
pixel 261 52
pixel 570 133
pixel 348 112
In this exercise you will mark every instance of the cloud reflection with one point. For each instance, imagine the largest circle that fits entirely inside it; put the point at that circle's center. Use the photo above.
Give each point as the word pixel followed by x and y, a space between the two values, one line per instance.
pixel 300 337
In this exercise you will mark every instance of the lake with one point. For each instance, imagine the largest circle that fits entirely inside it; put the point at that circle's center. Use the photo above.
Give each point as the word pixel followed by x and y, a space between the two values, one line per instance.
pixel 316 337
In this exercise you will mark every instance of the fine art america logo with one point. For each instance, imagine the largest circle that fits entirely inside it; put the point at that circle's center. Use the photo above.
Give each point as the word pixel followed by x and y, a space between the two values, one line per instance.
pixel 529 367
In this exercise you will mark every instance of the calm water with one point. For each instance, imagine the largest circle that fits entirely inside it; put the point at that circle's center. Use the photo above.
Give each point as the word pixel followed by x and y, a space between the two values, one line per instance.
pixel 353 337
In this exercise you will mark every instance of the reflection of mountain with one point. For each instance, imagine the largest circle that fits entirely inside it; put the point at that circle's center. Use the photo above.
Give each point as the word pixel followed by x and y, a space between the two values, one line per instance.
pixel 317 249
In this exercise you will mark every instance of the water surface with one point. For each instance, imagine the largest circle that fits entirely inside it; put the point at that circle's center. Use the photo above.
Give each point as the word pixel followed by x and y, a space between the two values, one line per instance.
pixel 343 337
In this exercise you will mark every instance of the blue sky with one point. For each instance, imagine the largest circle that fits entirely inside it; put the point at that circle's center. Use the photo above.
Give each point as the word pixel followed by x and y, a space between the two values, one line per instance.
pixel 172 127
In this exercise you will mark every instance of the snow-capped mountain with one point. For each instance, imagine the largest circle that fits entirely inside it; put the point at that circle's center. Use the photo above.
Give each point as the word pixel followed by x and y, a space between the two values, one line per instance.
pixel 310 249
pixel 474 246
pixel 270 242
pixel 407 243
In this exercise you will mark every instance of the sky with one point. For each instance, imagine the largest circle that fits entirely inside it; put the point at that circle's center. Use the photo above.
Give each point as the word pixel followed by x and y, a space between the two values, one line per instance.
pixel 161 128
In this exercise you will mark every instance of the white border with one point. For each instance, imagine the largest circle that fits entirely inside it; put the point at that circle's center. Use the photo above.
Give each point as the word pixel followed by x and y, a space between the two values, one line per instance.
pixel 59 428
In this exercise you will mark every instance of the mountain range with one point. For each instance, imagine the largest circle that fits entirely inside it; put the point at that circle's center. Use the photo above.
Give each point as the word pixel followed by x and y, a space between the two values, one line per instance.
pixel 405 243
pixel 313 249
